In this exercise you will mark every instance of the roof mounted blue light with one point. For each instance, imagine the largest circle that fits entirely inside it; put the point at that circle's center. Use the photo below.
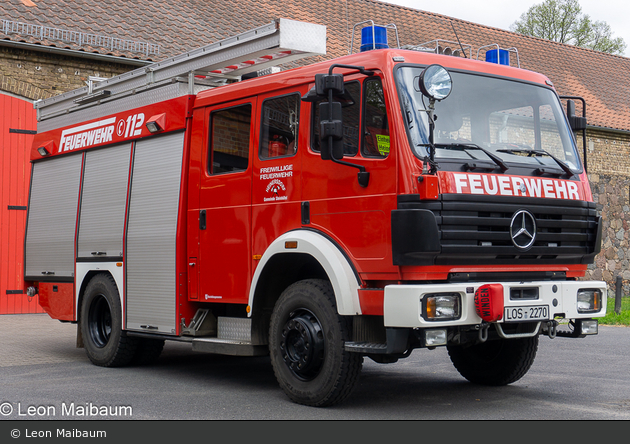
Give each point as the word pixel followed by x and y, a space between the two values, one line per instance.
pixel 373 37
pixel 500 56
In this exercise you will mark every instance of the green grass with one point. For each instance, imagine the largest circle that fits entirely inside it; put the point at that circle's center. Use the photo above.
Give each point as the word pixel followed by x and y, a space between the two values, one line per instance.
pixel 612 318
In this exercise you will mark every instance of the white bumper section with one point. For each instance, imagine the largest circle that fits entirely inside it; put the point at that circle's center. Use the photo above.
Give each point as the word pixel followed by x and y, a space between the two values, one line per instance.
pixel 403 303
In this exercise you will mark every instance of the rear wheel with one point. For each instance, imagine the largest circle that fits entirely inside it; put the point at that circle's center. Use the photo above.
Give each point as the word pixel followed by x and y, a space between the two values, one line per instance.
pixel 106 344
pixel 306 344
pixel 498 362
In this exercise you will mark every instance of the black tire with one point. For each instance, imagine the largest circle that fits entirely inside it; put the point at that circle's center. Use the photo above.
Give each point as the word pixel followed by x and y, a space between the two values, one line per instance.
pixel 148 352
pixel 495 363
pixel 106 344
pixel 306 345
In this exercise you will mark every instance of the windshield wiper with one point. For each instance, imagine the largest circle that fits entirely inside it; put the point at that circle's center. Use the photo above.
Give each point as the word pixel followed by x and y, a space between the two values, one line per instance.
pixel 471 146
pixel 566 168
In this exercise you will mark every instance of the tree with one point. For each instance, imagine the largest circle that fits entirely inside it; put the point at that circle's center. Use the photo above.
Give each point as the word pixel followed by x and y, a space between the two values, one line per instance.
pixel 562 21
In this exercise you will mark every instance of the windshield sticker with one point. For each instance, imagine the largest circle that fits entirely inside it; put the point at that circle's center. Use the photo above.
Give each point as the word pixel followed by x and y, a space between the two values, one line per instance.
pixel 382 142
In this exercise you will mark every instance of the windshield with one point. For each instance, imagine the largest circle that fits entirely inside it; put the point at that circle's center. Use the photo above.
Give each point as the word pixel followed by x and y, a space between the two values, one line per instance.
pixel 489 119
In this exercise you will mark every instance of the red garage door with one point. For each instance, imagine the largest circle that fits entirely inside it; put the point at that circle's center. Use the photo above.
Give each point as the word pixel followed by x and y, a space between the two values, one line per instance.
pixel 17 125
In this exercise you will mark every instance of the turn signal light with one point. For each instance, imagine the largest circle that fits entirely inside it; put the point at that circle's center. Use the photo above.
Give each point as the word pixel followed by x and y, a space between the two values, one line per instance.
pixel 589 300
pixel 442 306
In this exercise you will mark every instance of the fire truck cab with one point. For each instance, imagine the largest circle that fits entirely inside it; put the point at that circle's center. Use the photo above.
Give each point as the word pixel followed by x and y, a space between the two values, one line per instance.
pixel 369 205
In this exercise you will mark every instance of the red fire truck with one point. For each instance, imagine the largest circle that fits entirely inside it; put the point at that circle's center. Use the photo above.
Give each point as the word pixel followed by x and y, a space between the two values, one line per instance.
pixel 384 201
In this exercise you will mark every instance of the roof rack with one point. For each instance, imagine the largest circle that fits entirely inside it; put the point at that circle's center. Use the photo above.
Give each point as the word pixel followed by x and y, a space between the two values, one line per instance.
pixel 278 42
pixel 373 40
pixel 446 47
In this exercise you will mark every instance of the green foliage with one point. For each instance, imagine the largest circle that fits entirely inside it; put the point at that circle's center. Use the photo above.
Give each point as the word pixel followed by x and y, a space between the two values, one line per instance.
pixel 612 318
pixel 562 21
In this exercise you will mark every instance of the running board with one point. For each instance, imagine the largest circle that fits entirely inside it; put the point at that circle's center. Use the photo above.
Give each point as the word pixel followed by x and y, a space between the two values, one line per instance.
pixel 228 347
pixel 366 347
pixel 218 346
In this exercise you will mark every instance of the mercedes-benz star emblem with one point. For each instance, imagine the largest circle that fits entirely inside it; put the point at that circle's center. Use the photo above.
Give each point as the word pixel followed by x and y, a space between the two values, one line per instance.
pixel 523 229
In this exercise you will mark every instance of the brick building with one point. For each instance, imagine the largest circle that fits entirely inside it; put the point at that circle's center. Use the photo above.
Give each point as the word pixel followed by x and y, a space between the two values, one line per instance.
pixel 49 47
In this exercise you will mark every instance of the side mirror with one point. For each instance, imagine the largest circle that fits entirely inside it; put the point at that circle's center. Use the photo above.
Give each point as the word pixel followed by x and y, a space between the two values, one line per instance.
pixel 330 116
pixel 576 123
pixel 331 130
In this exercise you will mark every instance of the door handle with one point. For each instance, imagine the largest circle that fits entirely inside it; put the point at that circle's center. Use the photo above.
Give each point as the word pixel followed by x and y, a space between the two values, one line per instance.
pixel 202 219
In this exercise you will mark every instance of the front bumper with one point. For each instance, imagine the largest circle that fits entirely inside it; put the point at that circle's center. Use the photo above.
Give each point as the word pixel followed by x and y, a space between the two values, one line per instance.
pixel 403 306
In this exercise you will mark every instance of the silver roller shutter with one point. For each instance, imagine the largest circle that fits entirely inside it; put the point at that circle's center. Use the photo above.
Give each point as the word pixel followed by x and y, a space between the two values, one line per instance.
pixel 151 234
pixel 52 213
pixel 103 202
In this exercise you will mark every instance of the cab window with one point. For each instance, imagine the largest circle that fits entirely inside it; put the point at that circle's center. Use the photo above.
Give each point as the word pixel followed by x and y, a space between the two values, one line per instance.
pixel 375 125
pixel 229 139
pixel 279 131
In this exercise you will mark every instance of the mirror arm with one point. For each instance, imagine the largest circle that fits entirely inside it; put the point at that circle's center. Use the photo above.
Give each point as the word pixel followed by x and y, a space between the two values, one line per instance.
pixel 363 176
pixel 581 99
pixel 361 69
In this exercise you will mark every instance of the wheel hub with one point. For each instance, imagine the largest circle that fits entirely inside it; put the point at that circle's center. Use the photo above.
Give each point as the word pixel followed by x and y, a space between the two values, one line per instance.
pixel 100 322
pixel 302 344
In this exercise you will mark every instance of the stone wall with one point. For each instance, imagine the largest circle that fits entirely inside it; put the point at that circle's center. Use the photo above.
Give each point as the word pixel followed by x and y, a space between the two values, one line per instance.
pixel 39 75
pixel 608 158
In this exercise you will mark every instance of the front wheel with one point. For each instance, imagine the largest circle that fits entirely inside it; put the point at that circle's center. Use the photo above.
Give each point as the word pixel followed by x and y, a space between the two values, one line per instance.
pixel 106 344
pixel 306 345
pixel 495 363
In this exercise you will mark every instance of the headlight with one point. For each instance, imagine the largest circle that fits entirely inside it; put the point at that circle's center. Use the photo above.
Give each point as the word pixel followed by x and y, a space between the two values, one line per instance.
pixel 587 326
pixel 435 337
pixel 441 306
pixel 589 300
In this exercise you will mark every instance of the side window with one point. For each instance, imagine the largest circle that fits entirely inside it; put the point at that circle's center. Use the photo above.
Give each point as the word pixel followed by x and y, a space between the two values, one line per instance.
pixel 279 132
pixel 375 124
pixel 351 120
pixel 229 139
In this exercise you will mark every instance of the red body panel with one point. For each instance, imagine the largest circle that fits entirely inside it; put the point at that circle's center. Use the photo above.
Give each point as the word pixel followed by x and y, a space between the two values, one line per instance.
pixel 112 129
pixel 58 300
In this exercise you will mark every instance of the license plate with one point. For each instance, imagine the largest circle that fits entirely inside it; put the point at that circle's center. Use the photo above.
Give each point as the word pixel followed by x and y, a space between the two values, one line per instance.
pixel 526 313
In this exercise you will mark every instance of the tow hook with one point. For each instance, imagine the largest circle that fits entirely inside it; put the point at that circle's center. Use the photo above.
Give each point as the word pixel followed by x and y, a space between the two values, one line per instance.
pixel 483 331
pixel 552 328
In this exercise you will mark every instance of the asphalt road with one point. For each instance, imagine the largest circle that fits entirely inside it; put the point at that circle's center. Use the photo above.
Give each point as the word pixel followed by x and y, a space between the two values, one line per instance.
pixel 43 376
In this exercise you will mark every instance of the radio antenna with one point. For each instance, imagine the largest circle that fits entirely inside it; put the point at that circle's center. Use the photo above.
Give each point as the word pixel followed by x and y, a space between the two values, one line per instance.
pixel 460 43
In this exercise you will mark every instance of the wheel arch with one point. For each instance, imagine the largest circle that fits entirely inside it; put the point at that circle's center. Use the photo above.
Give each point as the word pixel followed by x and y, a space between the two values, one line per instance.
pixel 312 255
pixel 85 275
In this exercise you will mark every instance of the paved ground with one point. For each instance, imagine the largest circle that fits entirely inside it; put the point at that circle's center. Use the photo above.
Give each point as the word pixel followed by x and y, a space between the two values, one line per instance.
pixel 571 379
pixel 23 341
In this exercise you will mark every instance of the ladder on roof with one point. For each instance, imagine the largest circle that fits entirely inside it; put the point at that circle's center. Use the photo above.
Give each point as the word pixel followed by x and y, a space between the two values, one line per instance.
pixel 278 42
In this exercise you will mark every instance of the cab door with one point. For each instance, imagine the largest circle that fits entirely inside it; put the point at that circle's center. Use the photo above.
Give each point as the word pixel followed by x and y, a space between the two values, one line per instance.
pixel 225 197
pixel 356 217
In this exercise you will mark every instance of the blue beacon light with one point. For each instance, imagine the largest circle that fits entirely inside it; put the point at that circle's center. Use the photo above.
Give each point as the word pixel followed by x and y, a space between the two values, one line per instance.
pixel 373 37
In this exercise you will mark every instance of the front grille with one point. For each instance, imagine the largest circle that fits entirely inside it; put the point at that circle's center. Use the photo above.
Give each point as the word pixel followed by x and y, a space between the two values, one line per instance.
pixel 478 228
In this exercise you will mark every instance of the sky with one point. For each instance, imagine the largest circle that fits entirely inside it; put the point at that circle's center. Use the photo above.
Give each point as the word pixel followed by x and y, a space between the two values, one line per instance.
pixel 502 13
